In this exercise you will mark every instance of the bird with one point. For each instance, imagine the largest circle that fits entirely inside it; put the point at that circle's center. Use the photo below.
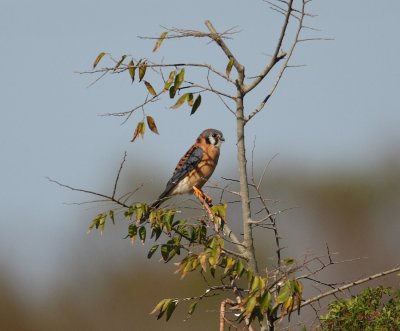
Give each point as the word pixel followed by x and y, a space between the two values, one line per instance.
pixel 194 168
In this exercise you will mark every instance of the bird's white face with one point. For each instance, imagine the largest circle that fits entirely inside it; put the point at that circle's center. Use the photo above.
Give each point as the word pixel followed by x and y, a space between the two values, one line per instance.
pixel 215 138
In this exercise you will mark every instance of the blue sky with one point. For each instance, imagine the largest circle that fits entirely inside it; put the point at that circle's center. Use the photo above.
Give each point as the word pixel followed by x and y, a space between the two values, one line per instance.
pixel 341 110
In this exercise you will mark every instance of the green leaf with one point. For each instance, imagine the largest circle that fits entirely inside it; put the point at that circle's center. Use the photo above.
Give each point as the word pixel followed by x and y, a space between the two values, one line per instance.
pixel 165 249
pixel 192 307
pixel 150 88
pixel 132 69
pixel 239 268
pixel 102 222
pixel 151 124
pixel 159 41
pixel 255 283
pixel 98 222
pixel 120 62
pixel 159 306
pixel 196 104
pixel 179 78
pixel 265 301
pixel 190 100
pixel 229 67
pixel 284 294
pixel 142 71
pixel 172 92
pixel 132 231
pixel 289 261
pixel 180 101
pixel 152 251
pixel 142 234
pixel 251 303
pixel 170 309
pixel 111 214
pixel 98 58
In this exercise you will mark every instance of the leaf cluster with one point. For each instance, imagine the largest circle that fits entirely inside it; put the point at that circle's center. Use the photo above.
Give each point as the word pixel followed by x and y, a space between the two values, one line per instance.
pixel 374 309
pixel 202 248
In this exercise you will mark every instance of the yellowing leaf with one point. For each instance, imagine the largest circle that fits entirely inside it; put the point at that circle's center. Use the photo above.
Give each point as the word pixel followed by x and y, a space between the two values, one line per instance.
pixel 151 124
pixel 150 88
pixel 98 58
pixel 120 62
pixel 170 80
pixel 180 101
pixel 159 41
pixel 159 306
pixel 142 71
pixel 190 99
pixel 139 130
pixel 229 67
pixel 132 69
pixel 196 104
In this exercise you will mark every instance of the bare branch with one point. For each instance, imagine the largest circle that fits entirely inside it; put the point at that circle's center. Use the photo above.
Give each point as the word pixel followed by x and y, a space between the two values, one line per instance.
pixel 277 55
pixel 119 172
pixel 350 285
pixel 214 35
pixel 107 197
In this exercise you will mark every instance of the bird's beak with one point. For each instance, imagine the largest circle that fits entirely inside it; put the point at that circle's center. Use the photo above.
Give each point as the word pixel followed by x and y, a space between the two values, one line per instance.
pixel 222 138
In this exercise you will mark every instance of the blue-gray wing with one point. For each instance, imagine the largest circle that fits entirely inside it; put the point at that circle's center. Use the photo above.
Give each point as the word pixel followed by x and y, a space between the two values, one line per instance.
pixel 186 164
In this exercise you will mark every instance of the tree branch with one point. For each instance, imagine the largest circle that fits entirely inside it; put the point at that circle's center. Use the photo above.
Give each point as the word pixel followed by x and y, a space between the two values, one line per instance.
pixel 350 285
pixel 277 55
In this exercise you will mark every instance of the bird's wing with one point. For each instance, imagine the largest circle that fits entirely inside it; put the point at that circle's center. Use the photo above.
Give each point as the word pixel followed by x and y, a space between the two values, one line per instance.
pixel 186 164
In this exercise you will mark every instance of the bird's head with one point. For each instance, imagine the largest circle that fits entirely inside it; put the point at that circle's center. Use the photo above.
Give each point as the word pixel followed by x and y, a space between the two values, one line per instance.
pixel 212 137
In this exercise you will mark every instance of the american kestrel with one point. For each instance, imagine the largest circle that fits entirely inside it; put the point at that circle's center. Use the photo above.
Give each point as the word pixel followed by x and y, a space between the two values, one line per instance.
pixel 195 167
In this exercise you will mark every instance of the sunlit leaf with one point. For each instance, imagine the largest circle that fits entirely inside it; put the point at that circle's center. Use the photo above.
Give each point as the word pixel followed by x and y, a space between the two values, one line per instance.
pixel 196 104
pixel 120 62
pixel 265 301
pixel 152 124
pixel 150 88
pixel 180 101
pixel 192 307
pixel 98 58
pixel 229 67
pixel 203 261
pixel 132 69
pixel 140 128
pixel 168 83
pixel 159 41
pixel 251 303
pixel 111 214
pixel 142 234
pixel 255 283
pixel 239 268
pixel 98 222
pixel 132 231
pixel 142 71
pixel 284 294
pixel 179 79
pixel 159 306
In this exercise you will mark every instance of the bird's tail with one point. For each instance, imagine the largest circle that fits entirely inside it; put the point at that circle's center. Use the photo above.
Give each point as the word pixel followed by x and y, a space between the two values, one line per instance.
pixel 161 199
